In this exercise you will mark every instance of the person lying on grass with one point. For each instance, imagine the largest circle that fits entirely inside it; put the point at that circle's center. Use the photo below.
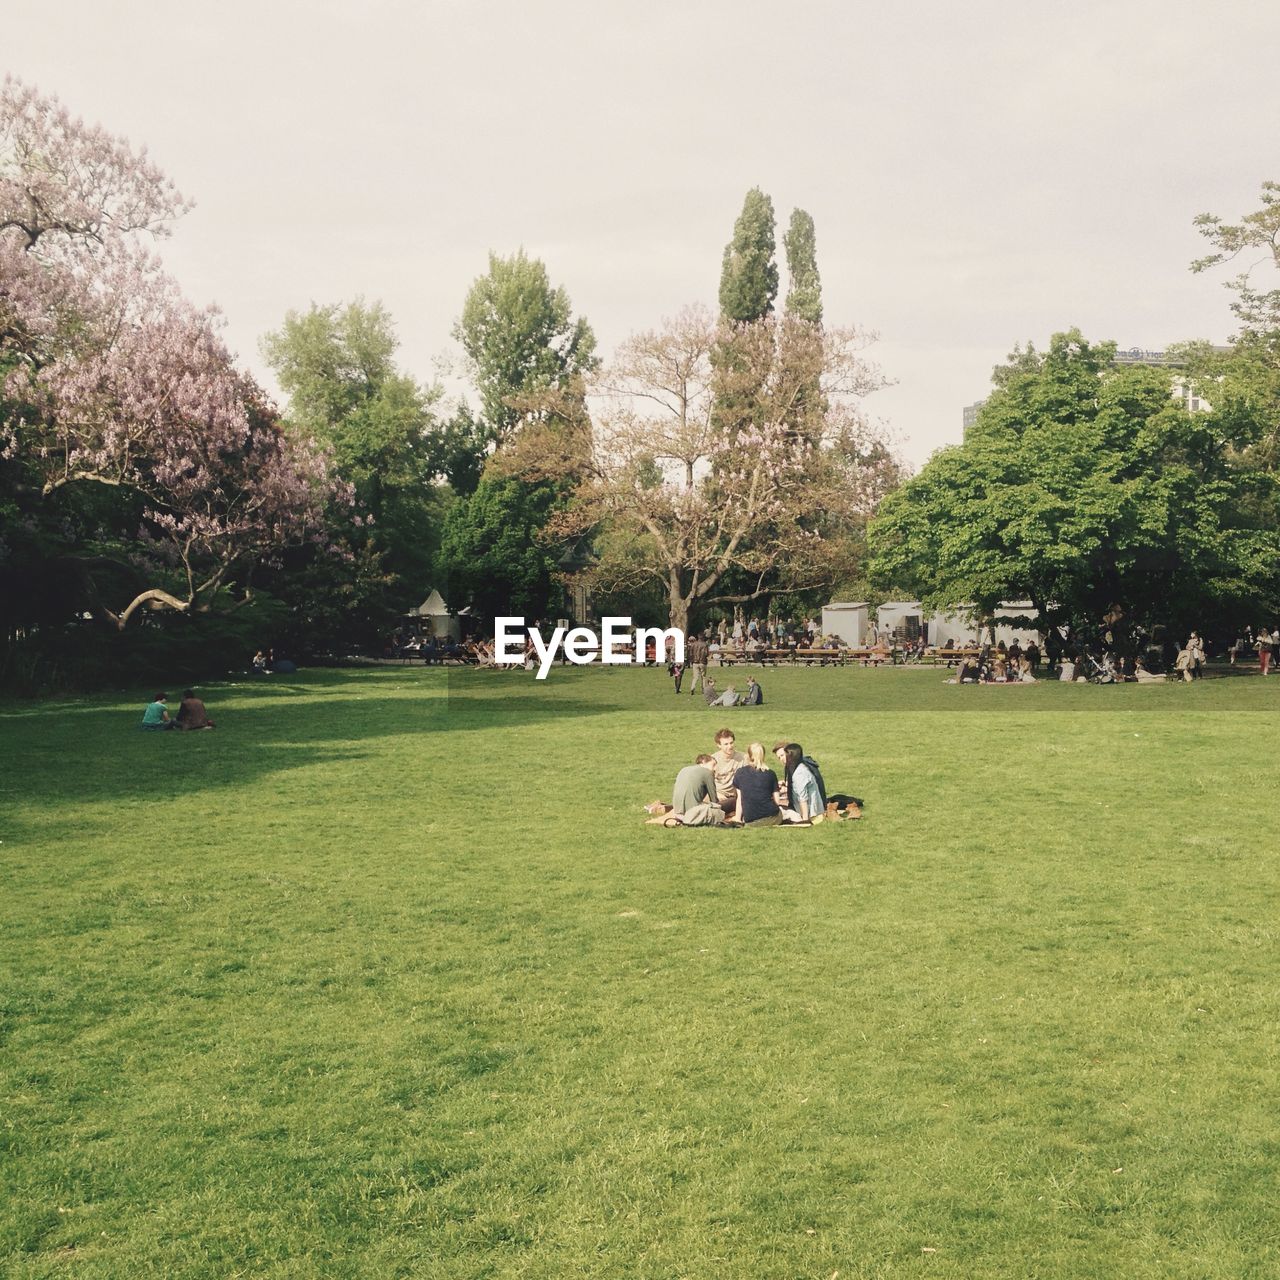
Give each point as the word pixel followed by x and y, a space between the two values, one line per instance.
pixel 714 698
pixel 693 798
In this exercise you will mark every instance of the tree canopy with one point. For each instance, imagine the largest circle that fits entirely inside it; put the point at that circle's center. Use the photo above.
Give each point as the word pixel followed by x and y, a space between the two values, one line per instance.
pixel 111 379
pixel 749 274
pixel 721 498
pixel 520 338
pixel 804 294
pixel 1081 487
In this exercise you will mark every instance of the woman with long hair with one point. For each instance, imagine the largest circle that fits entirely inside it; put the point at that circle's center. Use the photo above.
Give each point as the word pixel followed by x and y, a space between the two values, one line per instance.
pixel 804 796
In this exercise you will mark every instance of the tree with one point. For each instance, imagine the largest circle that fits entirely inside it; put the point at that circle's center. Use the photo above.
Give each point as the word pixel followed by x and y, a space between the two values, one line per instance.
pixel 1257 231
pixel 112 380
pixel 528 356
pixel 1243 383
pixel 749 274
pixel 1083 487
pixel 457 450
pixel 520 338
pixel 705 502
pixel 804 296
pixel 336 363
pixel 493 552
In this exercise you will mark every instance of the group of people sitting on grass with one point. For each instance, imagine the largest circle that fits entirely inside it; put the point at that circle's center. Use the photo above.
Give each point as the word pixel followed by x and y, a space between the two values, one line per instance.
pixel 999 664
pixel 266 662
pixel 731 788
pixel 191 713
pixel 752 696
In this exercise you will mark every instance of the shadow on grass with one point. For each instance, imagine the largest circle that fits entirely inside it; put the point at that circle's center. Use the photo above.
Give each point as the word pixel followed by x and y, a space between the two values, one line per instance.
pixel 61 755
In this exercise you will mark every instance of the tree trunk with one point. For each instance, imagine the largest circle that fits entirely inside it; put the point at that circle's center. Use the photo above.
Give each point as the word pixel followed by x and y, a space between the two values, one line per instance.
pixel 677 604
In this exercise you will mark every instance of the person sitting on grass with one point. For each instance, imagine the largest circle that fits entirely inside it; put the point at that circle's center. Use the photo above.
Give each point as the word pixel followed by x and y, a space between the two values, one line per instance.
pixel 757 792
pixel 805 801
pixel 693 798
pixel 833 804
pixel 724 764
pixel 156 716
pixel 191 713
pixel 754 696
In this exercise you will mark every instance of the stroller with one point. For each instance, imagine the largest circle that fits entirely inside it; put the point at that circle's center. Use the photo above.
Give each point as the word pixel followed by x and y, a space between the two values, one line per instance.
pixel 1103 672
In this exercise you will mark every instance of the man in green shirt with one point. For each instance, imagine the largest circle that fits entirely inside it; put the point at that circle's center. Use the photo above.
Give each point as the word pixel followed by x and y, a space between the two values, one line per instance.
pixel 156 716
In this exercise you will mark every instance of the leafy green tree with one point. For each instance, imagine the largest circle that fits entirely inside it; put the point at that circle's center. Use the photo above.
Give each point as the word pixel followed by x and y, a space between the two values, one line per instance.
pixel 521 339
pixel 1084 486
pixel 528 356
pixel 457 450
pixel 493 553
pixel 804 296
pixel 749 274
pixel 336 364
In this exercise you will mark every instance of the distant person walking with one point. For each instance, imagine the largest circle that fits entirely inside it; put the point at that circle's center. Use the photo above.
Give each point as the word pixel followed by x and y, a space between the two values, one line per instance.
pixel 1264 646
pixel 696 656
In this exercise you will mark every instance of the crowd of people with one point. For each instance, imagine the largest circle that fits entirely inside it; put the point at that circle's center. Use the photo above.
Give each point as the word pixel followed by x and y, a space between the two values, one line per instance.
pixel 1103 662
pixel 731 788
pixel 437 650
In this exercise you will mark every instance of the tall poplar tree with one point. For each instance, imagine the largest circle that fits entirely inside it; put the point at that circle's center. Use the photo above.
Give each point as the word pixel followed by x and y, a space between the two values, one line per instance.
pixel 749 276
pixel 804 296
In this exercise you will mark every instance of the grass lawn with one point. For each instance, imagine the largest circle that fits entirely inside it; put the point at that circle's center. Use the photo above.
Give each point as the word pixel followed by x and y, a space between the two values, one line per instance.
pixel 385 977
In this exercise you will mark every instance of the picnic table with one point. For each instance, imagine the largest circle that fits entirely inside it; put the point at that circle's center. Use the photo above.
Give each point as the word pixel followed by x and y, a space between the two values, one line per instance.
pixel 951 657
pixel 439 657
pixel 829 656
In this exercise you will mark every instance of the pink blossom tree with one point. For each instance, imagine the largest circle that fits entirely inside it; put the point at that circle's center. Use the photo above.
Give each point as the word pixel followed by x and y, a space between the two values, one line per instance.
pixel 112 378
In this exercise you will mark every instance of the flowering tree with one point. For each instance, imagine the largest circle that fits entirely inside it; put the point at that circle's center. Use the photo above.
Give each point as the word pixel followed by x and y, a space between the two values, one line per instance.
pixel 111 378
pixel 725 507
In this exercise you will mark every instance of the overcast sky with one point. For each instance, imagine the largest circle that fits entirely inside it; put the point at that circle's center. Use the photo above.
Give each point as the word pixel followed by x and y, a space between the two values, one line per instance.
pixel 980 173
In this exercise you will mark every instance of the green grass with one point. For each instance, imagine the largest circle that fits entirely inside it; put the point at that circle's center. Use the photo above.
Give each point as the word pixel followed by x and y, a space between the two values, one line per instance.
pixel 385 978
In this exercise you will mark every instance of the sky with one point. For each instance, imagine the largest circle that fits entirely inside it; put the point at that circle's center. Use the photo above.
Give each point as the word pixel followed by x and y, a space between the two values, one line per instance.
pixel 980 174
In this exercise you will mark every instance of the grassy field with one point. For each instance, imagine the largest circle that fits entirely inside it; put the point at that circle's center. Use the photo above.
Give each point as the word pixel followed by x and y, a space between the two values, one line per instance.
pixel 385 977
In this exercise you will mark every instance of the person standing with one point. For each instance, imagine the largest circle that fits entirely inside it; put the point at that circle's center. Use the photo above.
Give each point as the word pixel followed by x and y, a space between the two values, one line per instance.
pixel 1195 657
pixel 698 653
pixel 1264 645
